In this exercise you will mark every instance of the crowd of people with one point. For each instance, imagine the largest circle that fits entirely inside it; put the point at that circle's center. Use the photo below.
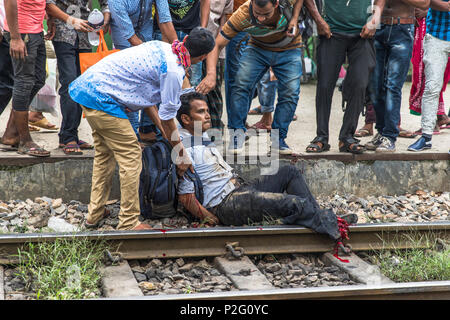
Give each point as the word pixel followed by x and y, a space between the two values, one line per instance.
pixel 253 46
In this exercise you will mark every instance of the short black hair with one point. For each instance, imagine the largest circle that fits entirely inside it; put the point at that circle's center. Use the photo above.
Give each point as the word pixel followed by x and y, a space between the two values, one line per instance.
pixel 186 106
pixel 199 42
pixel 263 3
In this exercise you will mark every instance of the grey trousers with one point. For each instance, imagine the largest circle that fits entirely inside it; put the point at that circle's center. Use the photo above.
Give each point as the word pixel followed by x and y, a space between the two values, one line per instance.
pixel 435 58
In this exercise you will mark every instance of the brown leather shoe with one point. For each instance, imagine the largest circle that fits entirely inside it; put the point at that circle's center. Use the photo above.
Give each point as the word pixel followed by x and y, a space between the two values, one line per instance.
pixel 142 226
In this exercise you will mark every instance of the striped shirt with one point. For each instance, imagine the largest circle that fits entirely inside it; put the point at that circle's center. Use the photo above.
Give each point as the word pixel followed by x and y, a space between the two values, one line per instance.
pixel 241 20
pixel 438 24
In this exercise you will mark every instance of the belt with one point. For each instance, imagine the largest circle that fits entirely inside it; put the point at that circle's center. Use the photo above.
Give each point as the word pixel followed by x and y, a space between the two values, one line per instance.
pixel 397 20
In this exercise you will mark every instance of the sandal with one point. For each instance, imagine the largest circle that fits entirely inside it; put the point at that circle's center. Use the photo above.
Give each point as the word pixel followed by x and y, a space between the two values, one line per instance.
pixel 84 145
pixel 259 126
pixel 351 147
pixel 363 132
pixel 315 147
pixel 256 110
pixel 72 149
pixel 44 124
pixel 407 134
pixel 88 225
pixel 34 151
pixel 33 128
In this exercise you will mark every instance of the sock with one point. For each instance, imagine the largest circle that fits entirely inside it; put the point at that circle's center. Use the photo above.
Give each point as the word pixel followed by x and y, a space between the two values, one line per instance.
pixel 427 137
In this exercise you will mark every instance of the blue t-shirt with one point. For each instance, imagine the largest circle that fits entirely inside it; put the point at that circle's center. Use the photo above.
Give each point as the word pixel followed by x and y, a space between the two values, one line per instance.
pixel 125 16
pixel 438 24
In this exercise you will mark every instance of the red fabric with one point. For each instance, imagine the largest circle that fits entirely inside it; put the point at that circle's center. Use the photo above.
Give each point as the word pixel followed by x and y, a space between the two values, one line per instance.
pixel 183 54
pixel 418 73
pixel 30 16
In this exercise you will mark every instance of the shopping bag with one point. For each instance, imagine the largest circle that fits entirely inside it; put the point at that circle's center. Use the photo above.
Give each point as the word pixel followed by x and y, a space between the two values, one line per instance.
pixel 45 99
pixel 88 59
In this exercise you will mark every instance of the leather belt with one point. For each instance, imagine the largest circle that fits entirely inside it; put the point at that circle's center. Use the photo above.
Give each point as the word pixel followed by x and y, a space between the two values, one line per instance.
pixel 397 20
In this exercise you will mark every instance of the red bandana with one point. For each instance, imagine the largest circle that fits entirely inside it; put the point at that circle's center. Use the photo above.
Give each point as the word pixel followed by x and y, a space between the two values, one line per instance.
pixel 183 54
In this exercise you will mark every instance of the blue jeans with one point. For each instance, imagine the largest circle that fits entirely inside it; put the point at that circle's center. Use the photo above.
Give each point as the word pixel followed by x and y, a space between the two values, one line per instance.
pixel 69 69
pixel 393 45
pixel 233 55
pixel 266 93
pixel 254 63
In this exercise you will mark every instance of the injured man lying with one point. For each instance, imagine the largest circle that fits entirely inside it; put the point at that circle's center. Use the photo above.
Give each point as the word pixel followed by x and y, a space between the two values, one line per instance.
pixel 228 200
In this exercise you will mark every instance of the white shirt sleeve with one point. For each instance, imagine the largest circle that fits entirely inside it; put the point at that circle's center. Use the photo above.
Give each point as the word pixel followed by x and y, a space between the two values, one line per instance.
pixel 2 15
pixel 170 84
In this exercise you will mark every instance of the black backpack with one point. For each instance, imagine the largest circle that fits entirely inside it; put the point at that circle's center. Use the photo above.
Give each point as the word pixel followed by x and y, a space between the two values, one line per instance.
pixel 159 181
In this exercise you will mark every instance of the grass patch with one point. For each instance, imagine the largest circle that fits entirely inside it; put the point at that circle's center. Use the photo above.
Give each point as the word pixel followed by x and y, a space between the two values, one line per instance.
pixel 63 269
pixel 417 264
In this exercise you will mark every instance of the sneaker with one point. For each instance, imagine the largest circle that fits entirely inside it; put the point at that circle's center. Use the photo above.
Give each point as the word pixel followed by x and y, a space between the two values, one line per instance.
pixel 236 144
pixel 283 148
pixel 386 145
pixel 420 144
pixel 374 143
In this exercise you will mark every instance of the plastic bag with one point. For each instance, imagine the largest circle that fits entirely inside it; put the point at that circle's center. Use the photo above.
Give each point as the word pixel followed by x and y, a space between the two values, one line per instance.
pixel 45 100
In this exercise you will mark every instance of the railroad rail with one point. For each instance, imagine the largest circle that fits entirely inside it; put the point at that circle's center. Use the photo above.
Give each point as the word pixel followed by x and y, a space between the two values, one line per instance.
pixel 254 240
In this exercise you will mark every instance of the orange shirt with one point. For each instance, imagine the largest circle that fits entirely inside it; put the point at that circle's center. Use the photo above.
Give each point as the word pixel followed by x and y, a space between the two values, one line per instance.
pixel 30 15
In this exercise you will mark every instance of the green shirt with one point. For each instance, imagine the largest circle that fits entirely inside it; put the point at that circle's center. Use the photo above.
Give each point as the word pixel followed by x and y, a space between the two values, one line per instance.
pixel 347 16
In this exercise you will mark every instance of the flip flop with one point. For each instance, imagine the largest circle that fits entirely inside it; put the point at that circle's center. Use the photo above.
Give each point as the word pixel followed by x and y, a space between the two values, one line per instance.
pixel 33 128
pixel 72 146
pixel 259 126
pixel 407 134
pixel 8 147
pixel 363 133
pixel 33 151
pixel 84 145
pixel 44 124
pixel 256 110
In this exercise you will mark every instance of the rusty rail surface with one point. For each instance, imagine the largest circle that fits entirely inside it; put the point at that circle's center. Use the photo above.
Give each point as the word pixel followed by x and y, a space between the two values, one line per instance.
pixel 254 240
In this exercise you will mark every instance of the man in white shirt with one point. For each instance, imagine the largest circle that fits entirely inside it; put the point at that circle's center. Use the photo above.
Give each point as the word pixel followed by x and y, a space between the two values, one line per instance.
pixel 133 79
pixel 230 200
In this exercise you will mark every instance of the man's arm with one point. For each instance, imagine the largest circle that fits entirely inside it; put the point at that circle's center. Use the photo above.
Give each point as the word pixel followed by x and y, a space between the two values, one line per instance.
pixel 370 28
pixel 190 202
pixel 209 82
pixel 57 13
pixel 17 47
pixel 204 12
pixel 421 4
pixel 323 28
pixel 120 16
pixel 152 113
pixel 164 20
pixel 106 15
pixel 292 25
pixel 440 5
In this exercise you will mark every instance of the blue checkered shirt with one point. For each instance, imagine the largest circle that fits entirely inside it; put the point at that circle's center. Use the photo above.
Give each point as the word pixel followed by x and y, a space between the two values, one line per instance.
pixel 438 24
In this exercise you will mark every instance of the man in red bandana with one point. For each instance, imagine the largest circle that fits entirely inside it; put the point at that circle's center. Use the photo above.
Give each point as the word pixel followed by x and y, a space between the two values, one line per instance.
pixel 133 79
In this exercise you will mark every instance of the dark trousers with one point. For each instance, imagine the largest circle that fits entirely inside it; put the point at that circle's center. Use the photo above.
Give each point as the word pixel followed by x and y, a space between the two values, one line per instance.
pixel 6 75
pixel 214 97
pixel 331 54
pixel 29 74
pixel 283 195
pixel 69 69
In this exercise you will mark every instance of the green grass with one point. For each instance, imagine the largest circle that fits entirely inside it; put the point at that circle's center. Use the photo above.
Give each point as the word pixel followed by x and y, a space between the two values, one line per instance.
pixel 63 269
pixel 418 264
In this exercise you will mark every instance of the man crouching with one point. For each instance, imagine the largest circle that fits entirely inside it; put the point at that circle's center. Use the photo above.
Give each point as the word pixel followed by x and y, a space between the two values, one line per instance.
pixel 229 200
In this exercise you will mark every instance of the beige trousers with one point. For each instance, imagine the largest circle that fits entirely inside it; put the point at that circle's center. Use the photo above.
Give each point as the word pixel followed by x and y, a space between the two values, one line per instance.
pixel 114 141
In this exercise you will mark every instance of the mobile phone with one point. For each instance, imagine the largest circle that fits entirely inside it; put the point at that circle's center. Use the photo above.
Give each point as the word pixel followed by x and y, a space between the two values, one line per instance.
pixel 292 31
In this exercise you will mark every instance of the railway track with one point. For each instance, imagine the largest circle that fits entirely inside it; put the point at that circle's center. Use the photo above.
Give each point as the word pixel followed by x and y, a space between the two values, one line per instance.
pixel 206 242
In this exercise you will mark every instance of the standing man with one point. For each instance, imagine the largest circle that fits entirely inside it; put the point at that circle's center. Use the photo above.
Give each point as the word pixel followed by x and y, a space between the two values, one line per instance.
pixel 186 15
pixel 350 37
pixel 274 42
pixel 394 44
pixel 24 33
pixel 135 79
pixel 436 47
pixel 6 70
pixel 70 38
